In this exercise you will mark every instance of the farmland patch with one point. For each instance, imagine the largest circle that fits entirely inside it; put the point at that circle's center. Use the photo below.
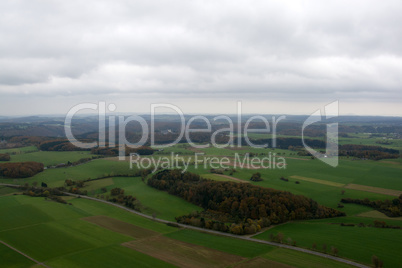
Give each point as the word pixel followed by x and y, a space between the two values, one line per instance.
pixel 371 189
pixel 121 227
pixel 183 254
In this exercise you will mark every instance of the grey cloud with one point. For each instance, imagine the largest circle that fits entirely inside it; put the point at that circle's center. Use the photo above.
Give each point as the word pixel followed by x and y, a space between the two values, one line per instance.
pixel 294 50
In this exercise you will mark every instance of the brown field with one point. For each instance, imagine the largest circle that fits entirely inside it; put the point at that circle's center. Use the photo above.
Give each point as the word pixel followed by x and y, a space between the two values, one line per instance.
pixel 236 148
pixel 237 165
pixel 261 262
pixel 231 178
pixel 391 162
pixel 378 215
pixel 221 177
pixel 373 189
pixel 183 254
pixel 195 150
pixel 329 183
pixel 121 227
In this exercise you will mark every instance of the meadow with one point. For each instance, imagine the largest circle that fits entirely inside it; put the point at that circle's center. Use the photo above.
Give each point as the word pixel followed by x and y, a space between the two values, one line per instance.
pixel 357 243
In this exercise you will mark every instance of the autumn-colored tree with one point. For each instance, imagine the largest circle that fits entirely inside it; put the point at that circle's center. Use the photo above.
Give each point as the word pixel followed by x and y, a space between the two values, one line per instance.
pixel 256 177
pixel 117 191
pixel 5 157
pixel 20 169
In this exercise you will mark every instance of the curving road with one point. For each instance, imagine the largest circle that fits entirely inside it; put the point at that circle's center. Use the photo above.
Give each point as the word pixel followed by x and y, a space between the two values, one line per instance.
pixel 216 232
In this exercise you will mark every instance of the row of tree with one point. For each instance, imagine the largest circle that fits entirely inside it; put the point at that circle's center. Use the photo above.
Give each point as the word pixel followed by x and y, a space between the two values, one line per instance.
pixel 367 151
pixel 53 194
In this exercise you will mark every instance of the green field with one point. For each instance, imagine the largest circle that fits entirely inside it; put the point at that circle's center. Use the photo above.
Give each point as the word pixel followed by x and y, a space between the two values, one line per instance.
pixel 358 243
pixel 160 204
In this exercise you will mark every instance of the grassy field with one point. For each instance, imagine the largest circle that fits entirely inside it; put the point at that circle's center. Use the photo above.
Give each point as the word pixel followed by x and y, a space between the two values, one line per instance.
pixel 183 254
pixel 229 245
pixel 298 259
pixel 155 202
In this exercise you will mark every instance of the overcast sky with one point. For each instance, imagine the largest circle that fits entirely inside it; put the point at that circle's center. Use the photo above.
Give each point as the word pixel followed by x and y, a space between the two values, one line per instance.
pixel 282 57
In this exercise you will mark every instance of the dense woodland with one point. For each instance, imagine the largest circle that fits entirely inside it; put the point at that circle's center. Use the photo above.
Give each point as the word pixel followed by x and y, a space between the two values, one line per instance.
pixel 391 208
pixel 20 169
pixel 5 157
pixel 247 207
pixel 58 145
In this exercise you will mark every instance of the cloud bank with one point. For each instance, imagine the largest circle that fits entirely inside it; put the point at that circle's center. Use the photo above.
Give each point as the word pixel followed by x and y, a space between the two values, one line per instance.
pixel 182 51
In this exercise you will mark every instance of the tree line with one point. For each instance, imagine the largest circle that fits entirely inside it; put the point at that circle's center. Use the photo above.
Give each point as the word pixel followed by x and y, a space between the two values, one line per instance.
pixel 367 151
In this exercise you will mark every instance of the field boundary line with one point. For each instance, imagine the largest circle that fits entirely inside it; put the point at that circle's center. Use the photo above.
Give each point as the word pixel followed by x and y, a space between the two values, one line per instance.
pixel 231 178
pixel 324 182
pixel 372 189
pixel 23 254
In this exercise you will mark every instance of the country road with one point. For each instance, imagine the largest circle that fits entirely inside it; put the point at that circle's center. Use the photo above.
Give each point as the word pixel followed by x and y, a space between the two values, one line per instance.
pixel 23 254
pixel 217 232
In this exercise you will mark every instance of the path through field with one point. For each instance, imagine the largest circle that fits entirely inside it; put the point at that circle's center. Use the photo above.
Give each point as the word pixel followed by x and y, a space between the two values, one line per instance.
pixel 25 255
